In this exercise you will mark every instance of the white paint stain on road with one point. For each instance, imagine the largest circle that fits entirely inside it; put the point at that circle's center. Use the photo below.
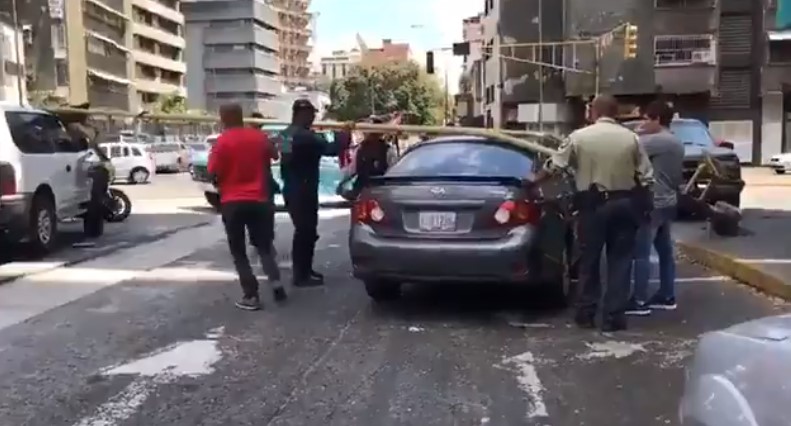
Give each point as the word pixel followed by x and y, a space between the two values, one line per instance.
pixel 611 349
pixel 529 383
pixel 416 329
pixel 186 359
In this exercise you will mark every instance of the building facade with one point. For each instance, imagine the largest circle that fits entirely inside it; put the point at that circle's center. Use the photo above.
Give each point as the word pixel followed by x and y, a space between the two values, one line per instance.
pixel 388 52
pixel 233 55
pixel 12 64
pixel 339 63
pixel 469 101
pixel 85 50
pixel 295 30
pixel 158 50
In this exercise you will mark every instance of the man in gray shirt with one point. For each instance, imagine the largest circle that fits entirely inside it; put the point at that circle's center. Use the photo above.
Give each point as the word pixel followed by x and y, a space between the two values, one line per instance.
pixel 666 153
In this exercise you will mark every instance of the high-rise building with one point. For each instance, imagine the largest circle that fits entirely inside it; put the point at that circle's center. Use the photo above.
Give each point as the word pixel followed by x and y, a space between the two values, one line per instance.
pixel 12 82
pixel 295 29
pixel 158 50
pixel 232 55
pixel 339 63
pixel 89 50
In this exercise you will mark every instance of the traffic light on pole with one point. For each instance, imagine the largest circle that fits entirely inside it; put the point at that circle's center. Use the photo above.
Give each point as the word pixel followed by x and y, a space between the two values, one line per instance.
pixel 630 41
pixel 430 62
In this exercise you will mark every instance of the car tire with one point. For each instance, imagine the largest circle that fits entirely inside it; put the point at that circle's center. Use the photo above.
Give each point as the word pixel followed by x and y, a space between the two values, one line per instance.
pixel 734 200
pixel 780 172
pixel 383 290
pixel 122 207
pixel 563 289
pixel 139 175
pixel 213 199
pixel 43 225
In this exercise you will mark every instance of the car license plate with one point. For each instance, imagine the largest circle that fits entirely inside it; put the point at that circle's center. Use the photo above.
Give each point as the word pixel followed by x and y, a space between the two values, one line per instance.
pixel 437 221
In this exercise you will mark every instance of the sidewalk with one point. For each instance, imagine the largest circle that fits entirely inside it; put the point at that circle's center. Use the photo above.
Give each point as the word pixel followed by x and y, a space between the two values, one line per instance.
pixel 761 257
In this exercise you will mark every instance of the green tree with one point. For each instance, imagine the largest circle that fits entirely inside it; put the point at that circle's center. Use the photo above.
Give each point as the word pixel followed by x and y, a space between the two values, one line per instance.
pixel 390 87
pixel 173 103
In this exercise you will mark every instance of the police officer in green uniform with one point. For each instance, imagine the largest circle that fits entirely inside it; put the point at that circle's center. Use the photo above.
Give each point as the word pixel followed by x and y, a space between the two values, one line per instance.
pixel 613 177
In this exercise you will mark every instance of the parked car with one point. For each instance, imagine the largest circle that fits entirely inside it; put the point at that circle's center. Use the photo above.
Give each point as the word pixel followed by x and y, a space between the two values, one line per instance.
pixel 459 209
pixel 697 140
pixel 43 178
pixel 781 163
pixel 195 150
pixel 133 162
pixel 330 175
pixel 739 376
pixel 169 156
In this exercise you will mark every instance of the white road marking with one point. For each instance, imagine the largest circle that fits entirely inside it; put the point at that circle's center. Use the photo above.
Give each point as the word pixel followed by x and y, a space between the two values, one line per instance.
pixel 529 383
pixel 415 329
pixel 186 359
pixel 611 349
pixel 716 278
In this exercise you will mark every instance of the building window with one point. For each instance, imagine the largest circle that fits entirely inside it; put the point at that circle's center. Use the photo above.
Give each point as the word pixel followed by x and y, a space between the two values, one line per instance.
pixel 684 50
pixel 61 72
pixel 323 69
pixel 780 52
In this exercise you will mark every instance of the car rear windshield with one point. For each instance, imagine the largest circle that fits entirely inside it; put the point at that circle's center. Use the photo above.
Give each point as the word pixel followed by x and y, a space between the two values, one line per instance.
pixel 692 133
pixel 463 158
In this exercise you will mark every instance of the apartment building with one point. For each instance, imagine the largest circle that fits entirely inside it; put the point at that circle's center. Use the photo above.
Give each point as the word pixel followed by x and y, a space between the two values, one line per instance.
pixel 339 63
pixel 12 63
pixel 469 100
pixel 157 50
pixel 295 29
pixel 90 50
pixel 388 52
pixel 232 55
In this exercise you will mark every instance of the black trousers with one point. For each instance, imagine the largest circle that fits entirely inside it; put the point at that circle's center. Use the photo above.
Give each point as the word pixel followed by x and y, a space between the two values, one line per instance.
pixel 303 208
pixel 612 226
pixel 256 219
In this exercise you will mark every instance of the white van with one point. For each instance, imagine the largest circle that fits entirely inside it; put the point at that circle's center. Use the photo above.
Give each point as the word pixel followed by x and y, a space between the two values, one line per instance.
pixel 44 178
pixel 132 161
pixel 170 156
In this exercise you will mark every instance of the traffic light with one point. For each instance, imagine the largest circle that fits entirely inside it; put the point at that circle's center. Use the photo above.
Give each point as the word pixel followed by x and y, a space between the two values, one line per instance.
pixel 630 41
pixel 430 62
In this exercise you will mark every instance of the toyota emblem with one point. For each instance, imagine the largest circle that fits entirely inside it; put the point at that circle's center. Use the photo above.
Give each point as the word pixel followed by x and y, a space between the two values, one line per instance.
pixel 437 191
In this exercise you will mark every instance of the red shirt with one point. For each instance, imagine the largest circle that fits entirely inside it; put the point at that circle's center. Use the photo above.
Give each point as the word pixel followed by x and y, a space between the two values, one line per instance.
pixel 241 160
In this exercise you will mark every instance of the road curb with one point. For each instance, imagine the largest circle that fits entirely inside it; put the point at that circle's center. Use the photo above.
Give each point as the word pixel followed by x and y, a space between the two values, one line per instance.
pixel 737 269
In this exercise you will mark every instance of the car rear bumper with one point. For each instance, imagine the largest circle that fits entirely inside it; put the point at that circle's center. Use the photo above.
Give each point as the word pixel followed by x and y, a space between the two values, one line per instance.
pixel 780 166
pixel 504 260
pixel 15 216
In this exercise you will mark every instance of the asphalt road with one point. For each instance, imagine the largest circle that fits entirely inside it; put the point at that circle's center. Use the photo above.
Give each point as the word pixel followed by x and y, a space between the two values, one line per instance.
pixel 167 347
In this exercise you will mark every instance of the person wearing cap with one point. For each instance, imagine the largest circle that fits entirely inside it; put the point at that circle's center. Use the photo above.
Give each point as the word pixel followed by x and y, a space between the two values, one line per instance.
pixel 301 151
pixel 239 162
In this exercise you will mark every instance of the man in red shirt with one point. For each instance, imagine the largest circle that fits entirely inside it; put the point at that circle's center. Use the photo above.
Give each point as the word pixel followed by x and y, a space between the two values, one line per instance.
pixel 240 162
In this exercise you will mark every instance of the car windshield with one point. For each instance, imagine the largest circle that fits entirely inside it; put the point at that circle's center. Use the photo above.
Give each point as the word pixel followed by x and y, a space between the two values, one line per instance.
pixel 692 133
pixel 463 158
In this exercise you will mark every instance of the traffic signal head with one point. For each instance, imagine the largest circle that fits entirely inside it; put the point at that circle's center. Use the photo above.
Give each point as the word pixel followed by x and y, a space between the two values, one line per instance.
pixel 630 41
pixel 430 62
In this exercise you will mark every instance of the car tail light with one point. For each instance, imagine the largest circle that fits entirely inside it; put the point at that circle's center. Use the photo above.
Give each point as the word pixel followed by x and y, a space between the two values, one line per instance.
pixel 7 180
pixel 367 211
pixel 513 212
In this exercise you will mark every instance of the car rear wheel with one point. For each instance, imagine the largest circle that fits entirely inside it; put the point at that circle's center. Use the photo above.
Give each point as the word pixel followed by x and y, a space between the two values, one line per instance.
pixel 563 289
pixel 383 290
pixel 780 172
pixel 139 176
pixel 213 199
pixel 43 225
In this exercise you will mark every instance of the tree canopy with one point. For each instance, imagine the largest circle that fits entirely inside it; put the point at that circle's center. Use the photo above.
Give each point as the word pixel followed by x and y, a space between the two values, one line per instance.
pixel 385 88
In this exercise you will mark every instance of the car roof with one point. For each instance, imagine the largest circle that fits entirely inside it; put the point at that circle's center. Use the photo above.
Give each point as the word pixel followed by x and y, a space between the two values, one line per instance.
pixel 11 106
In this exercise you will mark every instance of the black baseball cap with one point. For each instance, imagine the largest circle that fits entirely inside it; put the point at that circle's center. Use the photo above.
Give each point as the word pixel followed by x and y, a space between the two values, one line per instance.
pixel 302 105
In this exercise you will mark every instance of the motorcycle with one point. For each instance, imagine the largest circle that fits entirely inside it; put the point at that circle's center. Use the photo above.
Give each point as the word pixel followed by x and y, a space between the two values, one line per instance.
pixel 117 206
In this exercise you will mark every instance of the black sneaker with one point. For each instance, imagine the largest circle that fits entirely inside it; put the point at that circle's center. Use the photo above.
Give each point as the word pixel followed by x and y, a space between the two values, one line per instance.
pixel 663 303
pixel 639 309
pixel 310 281
pixel 249 304
pixel 279 293
pixel 317 275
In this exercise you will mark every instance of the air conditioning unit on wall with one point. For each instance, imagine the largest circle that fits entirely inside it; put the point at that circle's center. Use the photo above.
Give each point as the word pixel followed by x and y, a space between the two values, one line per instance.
pixel 703 57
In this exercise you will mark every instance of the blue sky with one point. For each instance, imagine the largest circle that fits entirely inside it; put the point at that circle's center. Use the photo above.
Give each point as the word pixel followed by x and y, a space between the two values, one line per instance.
pixel 438 24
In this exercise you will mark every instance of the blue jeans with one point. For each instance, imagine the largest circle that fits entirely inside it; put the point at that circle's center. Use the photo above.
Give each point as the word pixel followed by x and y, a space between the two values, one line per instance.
pixel 656 234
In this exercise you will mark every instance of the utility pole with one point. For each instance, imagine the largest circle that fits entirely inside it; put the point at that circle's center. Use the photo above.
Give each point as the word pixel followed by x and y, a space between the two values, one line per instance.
pixel 498 73
pixel 541 66
pixel 447 92
pixel 20 72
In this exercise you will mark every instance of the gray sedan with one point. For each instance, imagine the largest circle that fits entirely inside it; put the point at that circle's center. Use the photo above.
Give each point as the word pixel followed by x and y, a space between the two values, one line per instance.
pixel 459 209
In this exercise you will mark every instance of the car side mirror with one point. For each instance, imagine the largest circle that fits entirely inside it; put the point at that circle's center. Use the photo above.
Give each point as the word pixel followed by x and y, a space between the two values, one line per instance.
pixel 726 144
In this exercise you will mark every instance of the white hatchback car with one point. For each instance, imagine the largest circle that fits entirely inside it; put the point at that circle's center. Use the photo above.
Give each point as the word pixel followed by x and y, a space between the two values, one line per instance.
pixel 781 163
pixel 132 161
pixel 44 178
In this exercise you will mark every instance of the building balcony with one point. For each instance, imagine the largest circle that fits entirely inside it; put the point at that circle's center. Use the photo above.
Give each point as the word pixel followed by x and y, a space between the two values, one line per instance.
pixel 244 58
pixel 160 9
pixel 231 11
pixel 684 80
pixel 104 93
pixel 159 86
pixel 159 61
pixel 159 35
pixel 245 34
pixel 115 33
pixel 112 6
pixel 241 83
pixel 112 65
